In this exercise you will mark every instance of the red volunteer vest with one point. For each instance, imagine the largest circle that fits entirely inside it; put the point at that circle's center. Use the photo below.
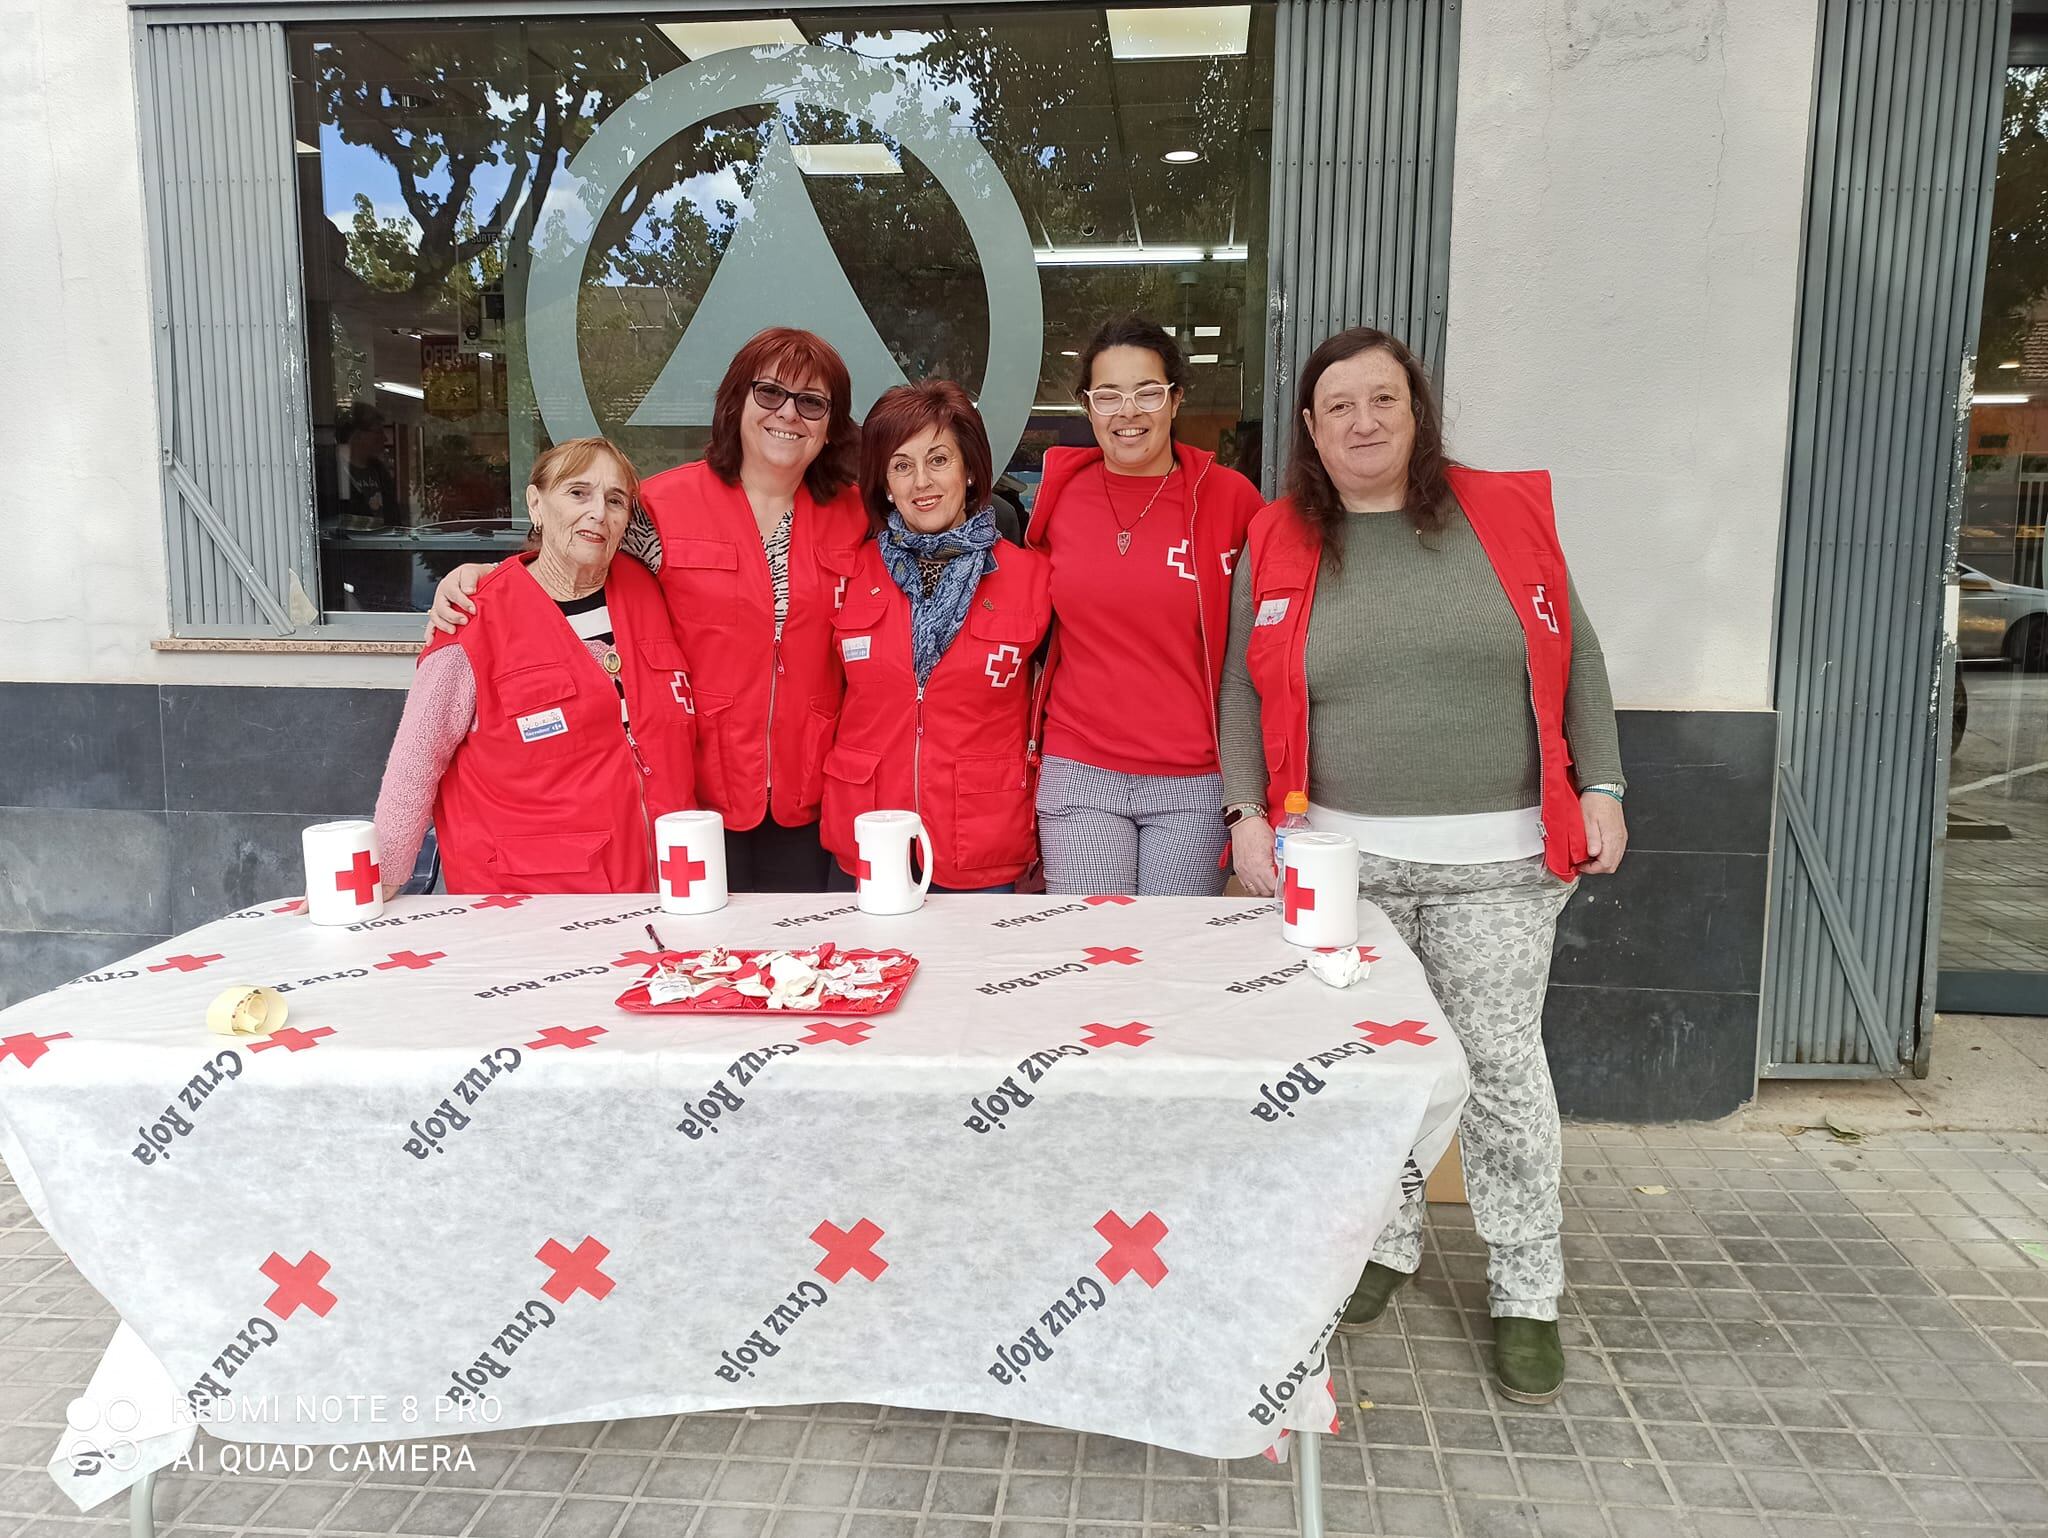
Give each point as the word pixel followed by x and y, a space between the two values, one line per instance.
pixel 765 712
pixel 546 793
pixel 957 757
pixel 1510 511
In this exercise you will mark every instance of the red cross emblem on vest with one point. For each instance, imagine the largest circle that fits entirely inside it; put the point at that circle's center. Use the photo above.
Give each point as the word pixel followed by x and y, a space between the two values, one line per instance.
pixel 1003 663
pixel 1540 602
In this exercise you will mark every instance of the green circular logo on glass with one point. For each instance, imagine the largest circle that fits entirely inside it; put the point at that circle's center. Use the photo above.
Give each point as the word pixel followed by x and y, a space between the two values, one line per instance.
pixel 787 273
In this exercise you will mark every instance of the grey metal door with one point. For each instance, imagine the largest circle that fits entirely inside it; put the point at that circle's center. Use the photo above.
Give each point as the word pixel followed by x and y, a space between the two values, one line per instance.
pixel 1904 142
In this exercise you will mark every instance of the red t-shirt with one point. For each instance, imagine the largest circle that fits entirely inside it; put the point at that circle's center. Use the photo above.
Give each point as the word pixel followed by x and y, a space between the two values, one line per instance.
pixel 1130 693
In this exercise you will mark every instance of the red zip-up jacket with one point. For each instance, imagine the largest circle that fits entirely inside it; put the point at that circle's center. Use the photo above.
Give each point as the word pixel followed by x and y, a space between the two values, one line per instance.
pixel 1510 512
pixel 547 793
pixel 1220 507
pixel 765 711
pixel 953 752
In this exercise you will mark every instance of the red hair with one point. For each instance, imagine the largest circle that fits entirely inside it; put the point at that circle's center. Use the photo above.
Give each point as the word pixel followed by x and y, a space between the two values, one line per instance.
pixel 788 354
pixel 900 415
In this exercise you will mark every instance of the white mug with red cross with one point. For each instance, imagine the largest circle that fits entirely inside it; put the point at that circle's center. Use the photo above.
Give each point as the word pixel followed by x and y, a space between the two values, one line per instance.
pixel 884 880
pixel 1319 890
pixel 689 861
pixel 344 877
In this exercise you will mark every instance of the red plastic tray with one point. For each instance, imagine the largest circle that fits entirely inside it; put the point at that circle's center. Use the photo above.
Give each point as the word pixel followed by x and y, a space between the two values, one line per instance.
pixel 725 1001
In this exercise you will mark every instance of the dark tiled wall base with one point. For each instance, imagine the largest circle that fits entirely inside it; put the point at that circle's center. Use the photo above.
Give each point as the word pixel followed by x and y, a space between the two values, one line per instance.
pixel 129 812
pixel 1654 996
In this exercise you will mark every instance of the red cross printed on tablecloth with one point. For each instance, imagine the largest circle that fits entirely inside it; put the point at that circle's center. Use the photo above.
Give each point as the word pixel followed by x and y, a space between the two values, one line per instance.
pixel 1132 1247
pixel 361 878
pixel 639 959
pixel 412 961
pixel 575 1270
pixel 296 905
pixel 29 1047
pixel 183 963
pixel 504 902
pixel 849 1250
pixel 851 1032
pixel 1413 1031
pixel 298 1285
pixel 292 1039
pixel 1109 897
pixel 1295 899
pixel 1136 1034
pixel 1102 955
pixel 562 1036
pixel 680 871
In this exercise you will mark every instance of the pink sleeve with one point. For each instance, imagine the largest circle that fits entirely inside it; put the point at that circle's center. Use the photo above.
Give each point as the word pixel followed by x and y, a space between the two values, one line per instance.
pixel 439 711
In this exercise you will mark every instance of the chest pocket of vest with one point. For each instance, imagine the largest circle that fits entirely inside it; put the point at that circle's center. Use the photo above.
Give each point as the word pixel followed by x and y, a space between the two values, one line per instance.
pixel 1002 643
pixel 854 627
pixel 672 685
pixel 537 703
pixel 707 571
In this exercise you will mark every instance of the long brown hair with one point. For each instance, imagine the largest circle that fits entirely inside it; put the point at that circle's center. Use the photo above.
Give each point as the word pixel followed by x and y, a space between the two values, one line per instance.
pixel 774 351
pixel 1428 504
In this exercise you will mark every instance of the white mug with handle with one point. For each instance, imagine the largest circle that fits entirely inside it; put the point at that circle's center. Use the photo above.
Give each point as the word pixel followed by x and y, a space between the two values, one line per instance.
pixel 881 842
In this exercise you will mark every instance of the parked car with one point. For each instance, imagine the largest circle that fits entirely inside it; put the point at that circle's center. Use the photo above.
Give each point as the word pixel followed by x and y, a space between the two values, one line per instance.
pixel 2001 621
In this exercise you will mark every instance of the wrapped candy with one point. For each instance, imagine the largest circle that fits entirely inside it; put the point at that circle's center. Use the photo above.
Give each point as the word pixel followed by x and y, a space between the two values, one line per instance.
pixel 1339 966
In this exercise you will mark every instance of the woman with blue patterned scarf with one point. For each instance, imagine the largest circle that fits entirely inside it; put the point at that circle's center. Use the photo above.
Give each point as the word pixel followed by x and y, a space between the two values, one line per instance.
pixel 937 633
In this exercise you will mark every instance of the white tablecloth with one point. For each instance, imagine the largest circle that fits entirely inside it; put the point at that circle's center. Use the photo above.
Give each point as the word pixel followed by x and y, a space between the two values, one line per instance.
pixel 1112 1165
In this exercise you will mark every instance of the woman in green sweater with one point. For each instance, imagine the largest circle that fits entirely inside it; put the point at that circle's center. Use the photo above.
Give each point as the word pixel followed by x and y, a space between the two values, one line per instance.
pixel 1406 649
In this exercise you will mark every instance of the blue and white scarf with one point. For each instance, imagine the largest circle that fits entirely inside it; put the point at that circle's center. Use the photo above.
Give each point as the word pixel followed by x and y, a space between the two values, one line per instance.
pixel 936 619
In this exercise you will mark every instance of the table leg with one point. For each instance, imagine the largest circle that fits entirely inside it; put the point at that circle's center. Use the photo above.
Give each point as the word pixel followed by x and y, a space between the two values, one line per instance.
pixel 142 1507
pixel 1308 1447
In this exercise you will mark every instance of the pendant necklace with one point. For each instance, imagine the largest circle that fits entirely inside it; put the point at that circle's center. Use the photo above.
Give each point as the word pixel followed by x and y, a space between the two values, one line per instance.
pixel 1124 531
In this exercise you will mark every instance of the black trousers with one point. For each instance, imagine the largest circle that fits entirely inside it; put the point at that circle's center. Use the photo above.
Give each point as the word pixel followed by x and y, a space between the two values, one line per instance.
pixel 772 858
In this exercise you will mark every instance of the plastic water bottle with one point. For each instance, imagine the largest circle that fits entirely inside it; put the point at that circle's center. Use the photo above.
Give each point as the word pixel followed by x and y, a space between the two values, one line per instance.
pixel 1296 818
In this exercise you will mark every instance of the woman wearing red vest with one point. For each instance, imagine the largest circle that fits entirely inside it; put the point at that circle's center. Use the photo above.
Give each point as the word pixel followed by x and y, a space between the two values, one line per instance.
pixel 549 735
pixel 1142 532
pixel 754 545
pixel 936 636
pixel 1406 649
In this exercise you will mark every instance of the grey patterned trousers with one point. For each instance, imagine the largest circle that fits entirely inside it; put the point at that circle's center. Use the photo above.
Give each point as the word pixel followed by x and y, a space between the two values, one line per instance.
pixel 1484 934
pixel 1102 831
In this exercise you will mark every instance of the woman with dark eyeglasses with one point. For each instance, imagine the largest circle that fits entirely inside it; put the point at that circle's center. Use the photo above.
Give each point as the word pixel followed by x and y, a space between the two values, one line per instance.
pixel 753 545
pixel 1124 720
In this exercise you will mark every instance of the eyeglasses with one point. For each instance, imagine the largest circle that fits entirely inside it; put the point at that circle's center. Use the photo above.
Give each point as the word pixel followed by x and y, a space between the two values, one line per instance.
pixel 769 396
pixel 1107 402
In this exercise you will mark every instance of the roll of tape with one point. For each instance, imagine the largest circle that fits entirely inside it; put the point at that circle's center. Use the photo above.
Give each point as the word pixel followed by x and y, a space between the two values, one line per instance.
pixel 246 1011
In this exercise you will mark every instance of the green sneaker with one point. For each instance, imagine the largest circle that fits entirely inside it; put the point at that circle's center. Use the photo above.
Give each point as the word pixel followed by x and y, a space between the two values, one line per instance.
pixel 1528 1359
pixel 1376 1287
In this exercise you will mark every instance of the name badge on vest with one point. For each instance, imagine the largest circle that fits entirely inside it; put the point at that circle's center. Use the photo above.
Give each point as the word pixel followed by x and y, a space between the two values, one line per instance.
pixel 1271 612
pixel 545 723
pixel 855 648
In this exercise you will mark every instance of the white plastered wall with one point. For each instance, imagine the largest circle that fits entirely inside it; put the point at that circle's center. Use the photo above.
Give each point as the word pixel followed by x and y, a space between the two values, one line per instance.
pixel 82 575
pixel 1624 263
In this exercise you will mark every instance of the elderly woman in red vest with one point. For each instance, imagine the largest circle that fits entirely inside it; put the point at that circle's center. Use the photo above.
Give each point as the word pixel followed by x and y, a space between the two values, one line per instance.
pixel 936 636
pixel 1406 649
pixel 546 738
pixel 754 545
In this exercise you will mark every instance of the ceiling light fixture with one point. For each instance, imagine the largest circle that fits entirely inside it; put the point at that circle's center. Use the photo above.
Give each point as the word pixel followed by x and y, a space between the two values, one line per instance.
pixel 2000 400
pixel 1203 357
pixel 1202 331
pixel 698 38
pixel 1136 256
pixel 846 159
pixel 1180 32
pixel 395 388
pixel 2010 363
pixel 1181 157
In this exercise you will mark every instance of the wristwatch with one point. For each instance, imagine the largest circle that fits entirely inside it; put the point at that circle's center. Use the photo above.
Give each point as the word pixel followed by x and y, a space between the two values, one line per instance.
pixel 1605 790
pixel 1237 813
